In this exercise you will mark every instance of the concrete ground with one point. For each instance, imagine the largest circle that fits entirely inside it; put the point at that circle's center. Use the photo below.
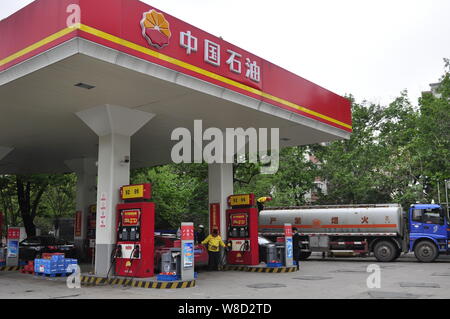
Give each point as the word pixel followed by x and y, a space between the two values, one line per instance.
pixel 329 278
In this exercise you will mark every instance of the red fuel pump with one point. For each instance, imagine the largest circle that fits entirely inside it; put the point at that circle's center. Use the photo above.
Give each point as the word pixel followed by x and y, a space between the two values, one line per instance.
pixel 242 225
pixel 135 232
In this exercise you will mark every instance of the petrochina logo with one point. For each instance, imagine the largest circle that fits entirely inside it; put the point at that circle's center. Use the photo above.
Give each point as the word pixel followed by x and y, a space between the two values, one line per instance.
pixel 155 29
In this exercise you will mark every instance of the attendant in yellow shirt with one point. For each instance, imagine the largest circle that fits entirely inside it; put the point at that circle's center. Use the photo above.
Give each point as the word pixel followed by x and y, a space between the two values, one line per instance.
pixel 214 241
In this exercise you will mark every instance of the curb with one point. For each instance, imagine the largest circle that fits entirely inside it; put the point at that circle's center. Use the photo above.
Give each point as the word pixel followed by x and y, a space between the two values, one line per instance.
pixel 261 269
pixel 95 281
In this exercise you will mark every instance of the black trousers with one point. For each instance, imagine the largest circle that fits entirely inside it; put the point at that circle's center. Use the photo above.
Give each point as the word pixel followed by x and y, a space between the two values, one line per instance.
pixel 297 258
pixel 214 260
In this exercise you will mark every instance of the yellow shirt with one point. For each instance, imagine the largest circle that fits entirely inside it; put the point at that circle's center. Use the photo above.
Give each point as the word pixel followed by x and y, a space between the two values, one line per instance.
pixel 213 243
pixel 263 199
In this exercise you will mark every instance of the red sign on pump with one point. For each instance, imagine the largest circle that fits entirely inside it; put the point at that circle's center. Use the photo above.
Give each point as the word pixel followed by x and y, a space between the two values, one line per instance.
pixel 287 230
pixel 187 232
pixel 14 233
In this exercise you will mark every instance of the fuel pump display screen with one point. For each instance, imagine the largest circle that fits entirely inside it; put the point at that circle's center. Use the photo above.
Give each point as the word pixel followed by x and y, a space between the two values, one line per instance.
pixel 130 217
pixel 238 220
pixel 129 230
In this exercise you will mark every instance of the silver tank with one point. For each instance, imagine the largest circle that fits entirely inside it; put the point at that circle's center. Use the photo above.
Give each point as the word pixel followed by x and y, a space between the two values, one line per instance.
pixel 380 218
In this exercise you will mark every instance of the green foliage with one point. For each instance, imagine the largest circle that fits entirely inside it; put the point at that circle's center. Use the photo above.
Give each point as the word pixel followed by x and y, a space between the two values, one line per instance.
pixel 178 192
pixel 294 178
pixel 23 198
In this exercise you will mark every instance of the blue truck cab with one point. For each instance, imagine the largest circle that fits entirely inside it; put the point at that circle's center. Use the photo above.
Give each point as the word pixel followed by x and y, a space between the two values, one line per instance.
pixel 429 231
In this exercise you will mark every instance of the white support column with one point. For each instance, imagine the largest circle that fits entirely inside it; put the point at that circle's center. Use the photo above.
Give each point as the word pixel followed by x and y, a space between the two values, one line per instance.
pixel 114 125
pixel 86 171
pixel 220 179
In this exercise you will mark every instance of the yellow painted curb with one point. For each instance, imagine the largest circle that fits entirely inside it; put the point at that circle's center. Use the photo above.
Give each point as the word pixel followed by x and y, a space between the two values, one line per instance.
pixel 96 281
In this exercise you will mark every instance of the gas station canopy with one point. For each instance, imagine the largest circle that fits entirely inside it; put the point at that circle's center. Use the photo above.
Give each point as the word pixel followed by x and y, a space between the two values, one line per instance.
pixel 62 57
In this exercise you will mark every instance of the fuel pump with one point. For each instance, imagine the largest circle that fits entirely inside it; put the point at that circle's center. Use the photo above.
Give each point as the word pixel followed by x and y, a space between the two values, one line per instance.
pixel 242 227
pixel 134 251
pixel 12 255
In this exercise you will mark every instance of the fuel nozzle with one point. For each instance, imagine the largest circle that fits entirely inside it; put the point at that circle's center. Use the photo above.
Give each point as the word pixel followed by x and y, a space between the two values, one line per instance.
pixel 136 252
pixel 118 251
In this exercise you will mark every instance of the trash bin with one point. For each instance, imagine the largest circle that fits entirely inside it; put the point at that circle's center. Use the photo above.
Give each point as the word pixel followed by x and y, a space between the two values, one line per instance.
pixel 272 255
pixel 168 264
pixel 171 261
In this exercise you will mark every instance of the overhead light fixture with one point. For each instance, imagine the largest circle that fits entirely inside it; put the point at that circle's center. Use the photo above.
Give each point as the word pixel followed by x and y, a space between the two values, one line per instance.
pixel 84 86
pixel 285 139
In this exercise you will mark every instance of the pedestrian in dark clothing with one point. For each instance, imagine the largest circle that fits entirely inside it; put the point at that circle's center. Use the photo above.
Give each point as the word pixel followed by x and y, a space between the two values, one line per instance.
pixel 200 234
pixel 296 246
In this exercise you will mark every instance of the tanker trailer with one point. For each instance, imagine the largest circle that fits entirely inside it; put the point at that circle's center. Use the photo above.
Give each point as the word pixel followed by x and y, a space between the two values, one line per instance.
pixel 356 229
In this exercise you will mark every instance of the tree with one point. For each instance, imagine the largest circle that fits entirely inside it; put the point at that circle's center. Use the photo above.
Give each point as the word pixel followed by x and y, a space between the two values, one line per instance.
pixel 288 186
pixel 8 201
pixel 59 199
pixel 353 167
pixel 395 153
pixel 433 142
pixel 29 193
pixel 174 194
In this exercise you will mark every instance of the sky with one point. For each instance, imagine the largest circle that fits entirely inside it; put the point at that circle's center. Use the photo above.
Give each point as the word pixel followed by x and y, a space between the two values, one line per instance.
pixel 370 49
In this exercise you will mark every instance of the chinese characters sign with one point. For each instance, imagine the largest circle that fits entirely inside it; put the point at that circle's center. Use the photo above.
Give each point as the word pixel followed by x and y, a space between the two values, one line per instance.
pixel 14 233
pixel 287 230
pixel 187 43
pixel 103 206
pixel 214 217
pixel 78 221
pixel 187 232
pixel 141 191
pixel 241 200
pixel 213 52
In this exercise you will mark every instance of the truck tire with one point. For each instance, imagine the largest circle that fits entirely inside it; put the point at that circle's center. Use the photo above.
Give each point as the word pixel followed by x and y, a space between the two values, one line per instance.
pixel 426 251
pixel 304 255
pixel 385 251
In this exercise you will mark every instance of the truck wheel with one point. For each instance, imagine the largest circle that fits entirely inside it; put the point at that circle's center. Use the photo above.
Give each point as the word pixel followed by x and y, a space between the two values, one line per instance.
pixel 426 251
pixel 304 255
pixel 385 251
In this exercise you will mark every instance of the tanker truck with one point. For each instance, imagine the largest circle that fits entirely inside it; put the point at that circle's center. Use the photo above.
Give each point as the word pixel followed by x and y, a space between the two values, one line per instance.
pixel 360 230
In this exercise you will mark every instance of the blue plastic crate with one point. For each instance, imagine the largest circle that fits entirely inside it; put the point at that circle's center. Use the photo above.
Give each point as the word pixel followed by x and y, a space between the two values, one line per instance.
pixel 58 258
pixel 272 265
pixel 45 266
pixel 70 261
pixel 167 277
